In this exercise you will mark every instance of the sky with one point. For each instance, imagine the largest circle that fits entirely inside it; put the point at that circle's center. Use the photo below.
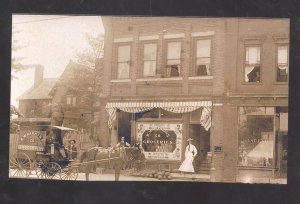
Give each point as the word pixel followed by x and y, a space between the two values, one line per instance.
pixel 49 40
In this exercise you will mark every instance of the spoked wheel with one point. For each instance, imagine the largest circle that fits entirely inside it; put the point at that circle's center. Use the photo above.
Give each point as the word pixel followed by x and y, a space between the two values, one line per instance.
pixel 51 170
pixel 20 165
pixel 40 169
pixel 69 173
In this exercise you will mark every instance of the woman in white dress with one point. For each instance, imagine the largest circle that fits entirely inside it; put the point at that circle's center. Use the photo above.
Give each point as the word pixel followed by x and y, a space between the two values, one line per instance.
pixel 190 153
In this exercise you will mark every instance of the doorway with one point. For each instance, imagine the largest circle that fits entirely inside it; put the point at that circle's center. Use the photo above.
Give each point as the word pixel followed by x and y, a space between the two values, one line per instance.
pixel 201 140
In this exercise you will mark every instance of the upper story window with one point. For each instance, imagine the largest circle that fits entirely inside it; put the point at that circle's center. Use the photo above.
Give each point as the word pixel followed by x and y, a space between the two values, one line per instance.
pixel 252 64
pixel 282 63
pixel 203 58
pixel 150 53
pixel 123 61
pixel 71 100
pixel 173 59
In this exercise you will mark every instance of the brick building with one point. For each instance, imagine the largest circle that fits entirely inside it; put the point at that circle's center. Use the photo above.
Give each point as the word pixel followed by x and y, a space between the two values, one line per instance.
pixel 222 82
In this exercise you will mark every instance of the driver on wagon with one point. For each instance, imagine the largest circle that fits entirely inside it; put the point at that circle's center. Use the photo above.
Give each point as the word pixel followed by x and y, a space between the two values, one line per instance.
pixel 53 138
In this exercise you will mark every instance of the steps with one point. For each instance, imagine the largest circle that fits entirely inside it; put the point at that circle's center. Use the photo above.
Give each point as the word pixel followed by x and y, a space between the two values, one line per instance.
pixel 203 168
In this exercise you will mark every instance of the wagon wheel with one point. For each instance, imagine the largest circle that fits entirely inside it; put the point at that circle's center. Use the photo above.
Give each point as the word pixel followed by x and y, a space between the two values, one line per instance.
pixel 20 165
pixel 40 169
pixel 52 170
pixel 69 173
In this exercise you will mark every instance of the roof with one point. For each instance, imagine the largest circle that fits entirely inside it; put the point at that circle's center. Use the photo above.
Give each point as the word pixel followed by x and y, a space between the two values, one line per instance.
pixel 42 91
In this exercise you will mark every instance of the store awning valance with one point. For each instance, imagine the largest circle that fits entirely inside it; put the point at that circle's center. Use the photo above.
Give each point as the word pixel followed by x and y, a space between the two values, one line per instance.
pixel 175 107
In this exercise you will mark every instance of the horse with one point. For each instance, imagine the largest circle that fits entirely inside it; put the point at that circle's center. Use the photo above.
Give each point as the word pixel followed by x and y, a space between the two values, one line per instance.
pixel 116 158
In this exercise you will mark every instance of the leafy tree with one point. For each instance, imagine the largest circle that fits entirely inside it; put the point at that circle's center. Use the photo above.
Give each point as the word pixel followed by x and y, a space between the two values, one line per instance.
pixel 16 61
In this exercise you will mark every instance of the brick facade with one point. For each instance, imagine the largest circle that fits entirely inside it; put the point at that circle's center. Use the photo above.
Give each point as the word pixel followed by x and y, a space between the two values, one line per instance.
pixel 225 87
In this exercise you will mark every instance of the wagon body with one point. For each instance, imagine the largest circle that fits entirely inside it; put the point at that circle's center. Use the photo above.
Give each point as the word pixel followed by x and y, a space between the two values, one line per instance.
pixel 34 153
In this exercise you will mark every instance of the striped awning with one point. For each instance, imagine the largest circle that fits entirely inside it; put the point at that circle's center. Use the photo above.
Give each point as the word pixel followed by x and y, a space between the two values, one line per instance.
pixel 136 107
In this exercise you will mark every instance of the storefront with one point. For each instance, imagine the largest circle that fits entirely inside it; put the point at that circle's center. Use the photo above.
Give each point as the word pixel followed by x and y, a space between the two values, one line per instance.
pixel 262 143
pixel 161 128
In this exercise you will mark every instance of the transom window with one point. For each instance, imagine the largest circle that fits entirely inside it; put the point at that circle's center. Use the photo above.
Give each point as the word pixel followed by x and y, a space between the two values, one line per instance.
pixel 282 63
pixel 252 64
pixel 150 51
pixel 123 61
pixel 173 59
pixel 203 52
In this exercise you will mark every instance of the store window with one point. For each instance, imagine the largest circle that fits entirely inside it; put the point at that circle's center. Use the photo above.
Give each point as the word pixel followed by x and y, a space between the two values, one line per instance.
pixel 157 113
pixel 282 63
pixel 256 140
pixel 173 59
pixel 252 64
pixel 150 52
pixel 123 61
pixel 203 58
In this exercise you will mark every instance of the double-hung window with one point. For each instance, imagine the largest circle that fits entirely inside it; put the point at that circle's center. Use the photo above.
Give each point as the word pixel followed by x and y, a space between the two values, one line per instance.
pixel 252 64
pixel 203 57
pixel 149 56
pixel 173 59
pixel 282 63
pixel 123 61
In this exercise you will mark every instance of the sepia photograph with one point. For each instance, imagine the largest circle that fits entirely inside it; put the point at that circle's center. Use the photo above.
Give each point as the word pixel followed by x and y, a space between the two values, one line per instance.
pixel 121 98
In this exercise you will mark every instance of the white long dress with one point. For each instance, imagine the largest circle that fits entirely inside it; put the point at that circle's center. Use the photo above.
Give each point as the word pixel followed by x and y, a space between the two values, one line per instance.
pixel 187 164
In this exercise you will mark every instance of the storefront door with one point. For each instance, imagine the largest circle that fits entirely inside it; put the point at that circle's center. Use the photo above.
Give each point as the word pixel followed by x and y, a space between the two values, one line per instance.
pixel 201 139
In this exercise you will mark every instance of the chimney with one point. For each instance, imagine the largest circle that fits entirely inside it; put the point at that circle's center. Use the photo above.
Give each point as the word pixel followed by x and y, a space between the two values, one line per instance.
pixel 38 75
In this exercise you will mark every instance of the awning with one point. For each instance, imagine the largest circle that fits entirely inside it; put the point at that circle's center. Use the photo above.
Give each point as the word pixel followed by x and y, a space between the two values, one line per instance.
pixel 175 107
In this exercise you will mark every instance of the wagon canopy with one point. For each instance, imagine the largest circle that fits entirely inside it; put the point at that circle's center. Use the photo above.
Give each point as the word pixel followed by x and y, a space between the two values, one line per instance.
pixel 63 128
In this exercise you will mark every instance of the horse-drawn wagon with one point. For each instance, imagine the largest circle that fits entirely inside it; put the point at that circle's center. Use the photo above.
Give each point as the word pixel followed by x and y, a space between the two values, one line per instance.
pixel 40 152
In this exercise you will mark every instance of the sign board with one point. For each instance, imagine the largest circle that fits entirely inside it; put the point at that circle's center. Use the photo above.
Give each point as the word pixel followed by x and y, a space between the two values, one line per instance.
pixel 218 149
pixel 160 141
pixel 32 140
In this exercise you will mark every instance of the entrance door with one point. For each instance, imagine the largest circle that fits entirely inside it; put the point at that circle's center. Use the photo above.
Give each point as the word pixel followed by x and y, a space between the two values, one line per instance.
pixel 201 139
pixel 124 126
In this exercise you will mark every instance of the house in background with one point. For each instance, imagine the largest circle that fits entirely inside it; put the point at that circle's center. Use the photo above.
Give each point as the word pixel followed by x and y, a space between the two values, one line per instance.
pixel 72 91
pixel 33 102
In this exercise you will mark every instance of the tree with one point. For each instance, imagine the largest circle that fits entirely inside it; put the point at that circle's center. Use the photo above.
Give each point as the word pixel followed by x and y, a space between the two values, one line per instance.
pixel 16 60
pixel 90 57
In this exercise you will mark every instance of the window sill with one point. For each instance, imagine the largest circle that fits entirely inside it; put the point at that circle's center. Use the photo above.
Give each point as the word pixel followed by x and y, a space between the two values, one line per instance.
pixel 120 80
pixel 281 83
pixel 200 77
pixel 161 79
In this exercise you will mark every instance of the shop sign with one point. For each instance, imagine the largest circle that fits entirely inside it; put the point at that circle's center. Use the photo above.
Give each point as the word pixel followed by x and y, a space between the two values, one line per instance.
pixel 161 141
pixel 31 140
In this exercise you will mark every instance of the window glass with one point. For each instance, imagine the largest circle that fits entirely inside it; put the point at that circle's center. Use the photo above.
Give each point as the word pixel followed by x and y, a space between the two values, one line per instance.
pixel 282 63
pixel 203 49
pixel 68 100
pixel 153 113
pixel 256 140
pixel 123 62
pixel 173 59
pixel 167 114
pixel 74 101
pixel 150 60
pixel 195 116
pixel 252 64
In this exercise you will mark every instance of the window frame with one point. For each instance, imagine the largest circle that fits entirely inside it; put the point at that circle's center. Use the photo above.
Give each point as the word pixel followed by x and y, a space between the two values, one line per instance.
pixel 194 56
pixel 165 57
pixel 247 45
pixel 276 61
pixel 260 115
pixel 141 52
pixel 116 63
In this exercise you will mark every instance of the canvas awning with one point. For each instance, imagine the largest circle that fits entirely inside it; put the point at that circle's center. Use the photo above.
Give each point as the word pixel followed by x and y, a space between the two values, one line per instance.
pixel 175 107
